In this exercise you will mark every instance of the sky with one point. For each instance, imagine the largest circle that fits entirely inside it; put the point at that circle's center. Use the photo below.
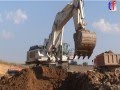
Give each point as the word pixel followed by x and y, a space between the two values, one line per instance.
pixel 26 23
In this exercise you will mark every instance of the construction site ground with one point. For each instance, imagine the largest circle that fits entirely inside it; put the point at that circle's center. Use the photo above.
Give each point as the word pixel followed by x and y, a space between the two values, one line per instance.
pixel 45 78
pixel 3 69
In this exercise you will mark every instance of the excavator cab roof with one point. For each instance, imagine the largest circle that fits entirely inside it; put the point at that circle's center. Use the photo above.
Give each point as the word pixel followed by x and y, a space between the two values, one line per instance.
pixel 36 47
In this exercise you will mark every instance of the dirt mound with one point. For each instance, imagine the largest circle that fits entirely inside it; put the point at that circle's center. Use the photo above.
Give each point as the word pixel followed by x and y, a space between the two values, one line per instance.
pixel 34 79
pixel 53 73
pixel 93 81
pixel 44 78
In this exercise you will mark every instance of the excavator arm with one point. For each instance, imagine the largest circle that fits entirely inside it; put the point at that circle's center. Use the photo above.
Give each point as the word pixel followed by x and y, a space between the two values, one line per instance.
pixel 84 40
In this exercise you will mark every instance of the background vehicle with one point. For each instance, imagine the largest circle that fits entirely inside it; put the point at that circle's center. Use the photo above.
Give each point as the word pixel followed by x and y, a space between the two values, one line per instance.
pixel 107 61
pixel 13 70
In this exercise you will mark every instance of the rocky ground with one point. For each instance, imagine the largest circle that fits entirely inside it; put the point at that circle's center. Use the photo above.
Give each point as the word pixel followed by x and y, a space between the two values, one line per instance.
pixel 44 78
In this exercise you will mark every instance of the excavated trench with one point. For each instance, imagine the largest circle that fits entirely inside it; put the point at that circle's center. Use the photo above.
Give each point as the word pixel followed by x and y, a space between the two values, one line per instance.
pixel 44 78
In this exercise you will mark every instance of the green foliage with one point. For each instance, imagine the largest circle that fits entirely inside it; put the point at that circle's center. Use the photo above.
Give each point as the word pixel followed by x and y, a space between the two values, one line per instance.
pixel 73 63
pixel 85 64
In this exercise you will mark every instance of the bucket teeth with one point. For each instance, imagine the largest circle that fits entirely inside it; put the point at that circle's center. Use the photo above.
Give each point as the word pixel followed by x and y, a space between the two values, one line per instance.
pixel 79 56
pixel 89 56
pixel 74 56
pixel 83 56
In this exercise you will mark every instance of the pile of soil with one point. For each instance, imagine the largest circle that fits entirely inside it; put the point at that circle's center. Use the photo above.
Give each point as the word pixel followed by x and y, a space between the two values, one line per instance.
pixel 36 78
pixel 93 81
pixel 44 78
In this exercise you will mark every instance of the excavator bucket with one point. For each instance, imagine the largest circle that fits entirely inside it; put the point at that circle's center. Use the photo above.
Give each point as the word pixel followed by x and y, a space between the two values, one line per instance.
pixel 85 42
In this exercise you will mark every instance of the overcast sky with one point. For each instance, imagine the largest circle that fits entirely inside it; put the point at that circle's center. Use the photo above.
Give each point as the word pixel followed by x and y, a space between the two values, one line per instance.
pixel 23 24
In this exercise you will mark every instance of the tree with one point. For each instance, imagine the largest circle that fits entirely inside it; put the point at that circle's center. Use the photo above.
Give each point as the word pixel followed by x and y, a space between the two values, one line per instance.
pixel 85 64
pixel 73 63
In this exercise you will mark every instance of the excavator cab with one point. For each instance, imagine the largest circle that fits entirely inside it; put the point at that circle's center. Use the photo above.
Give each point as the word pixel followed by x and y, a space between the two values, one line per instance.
pixel 65 48
pixel 84 43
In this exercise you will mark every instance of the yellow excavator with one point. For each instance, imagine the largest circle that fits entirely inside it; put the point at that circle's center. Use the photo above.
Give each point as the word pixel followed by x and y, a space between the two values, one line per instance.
pixel 52 51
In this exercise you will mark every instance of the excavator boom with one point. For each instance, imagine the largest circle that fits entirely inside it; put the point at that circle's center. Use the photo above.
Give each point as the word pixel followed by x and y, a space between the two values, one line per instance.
pixel 84 40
